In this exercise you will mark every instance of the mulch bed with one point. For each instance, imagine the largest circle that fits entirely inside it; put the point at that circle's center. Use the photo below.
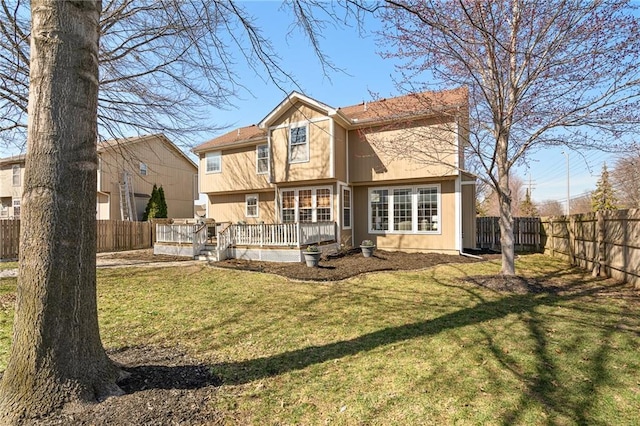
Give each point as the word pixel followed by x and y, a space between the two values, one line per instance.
pixel 349 264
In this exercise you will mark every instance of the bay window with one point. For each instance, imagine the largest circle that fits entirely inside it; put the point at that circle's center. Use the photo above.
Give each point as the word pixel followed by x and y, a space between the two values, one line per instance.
pixel 405 210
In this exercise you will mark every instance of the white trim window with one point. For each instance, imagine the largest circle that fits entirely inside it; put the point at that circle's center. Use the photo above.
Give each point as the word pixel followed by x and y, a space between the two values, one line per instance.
pixel 299 144
pixel 262 159
pixel 16 208
pixel 143 169
pixel 251 205
pixel 288 206
pixel 313 204
pixel 213 161
pixel 405 210
pixel 16 172
pixel 346 208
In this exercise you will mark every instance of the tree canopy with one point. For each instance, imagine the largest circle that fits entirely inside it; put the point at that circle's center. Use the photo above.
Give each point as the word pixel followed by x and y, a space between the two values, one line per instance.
pixel 539 74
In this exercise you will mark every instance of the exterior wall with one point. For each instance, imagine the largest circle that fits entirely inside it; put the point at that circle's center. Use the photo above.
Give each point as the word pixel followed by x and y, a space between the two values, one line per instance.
pixel 238 172
pixel 165 167
pixel 445 242
pixel 232 207
pixel 427 150
pixel 340 152
pixel 319 164
pixel 468 216
pixel 102 207
pixel 8 192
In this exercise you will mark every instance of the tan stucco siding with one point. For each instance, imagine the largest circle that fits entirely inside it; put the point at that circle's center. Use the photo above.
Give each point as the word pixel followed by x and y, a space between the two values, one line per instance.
pixel 6 181
pixel 238 172
pixel 318 165
pixel 468 216
pixel 443 242
pixel 298 113
pixel 340 152
pixel 232 207
pixel 387 153
pixel 165 167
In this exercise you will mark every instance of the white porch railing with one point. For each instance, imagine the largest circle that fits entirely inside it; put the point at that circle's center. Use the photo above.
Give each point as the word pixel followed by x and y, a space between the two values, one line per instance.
pixel 268 234
pixel 181 234
pixel 283 234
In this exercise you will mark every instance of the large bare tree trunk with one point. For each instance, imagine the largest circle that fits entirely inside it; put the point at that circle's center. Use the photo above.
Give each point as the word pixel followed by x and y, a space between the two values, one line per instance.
pixel 57 355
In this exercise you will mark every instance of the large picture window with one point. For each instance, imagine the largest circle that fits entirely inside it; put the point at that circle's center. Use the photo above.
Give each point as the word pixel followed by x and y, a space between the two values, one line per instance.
pixel 298 145
pixel 402 210
pixel 306 205
pixel 262 159
pixel 214 162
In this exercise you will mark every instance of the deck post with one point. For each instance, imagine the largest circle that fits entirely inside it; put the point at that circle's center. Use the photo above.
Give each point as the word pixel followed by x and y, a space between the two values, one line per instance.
pixel 298 234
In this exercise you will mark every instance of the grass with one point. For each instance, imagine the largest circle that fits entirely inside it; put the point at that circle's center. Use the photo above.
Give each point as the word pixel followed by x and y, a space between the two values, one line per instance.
pixel 8 265
pixel 388 348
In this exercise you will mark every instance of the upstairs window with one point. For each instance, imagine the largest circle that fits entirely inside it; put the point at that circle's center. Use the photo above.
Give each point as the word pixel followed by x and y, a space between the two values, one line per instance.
pixel 16 175
pixel 298 145
pixel 143 169
pixel 214 162
pixel 262 159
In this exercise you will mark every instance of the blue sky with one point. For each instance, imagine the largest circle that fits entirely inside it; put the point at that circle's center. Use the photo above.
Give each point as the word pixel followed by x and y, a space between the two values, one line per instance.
pixel 364 73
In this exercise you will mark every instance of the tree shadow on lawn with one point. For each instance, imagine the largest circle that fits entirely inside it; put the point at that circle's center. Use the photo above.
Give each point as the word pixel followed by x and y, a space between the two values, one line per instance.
pixel 542 387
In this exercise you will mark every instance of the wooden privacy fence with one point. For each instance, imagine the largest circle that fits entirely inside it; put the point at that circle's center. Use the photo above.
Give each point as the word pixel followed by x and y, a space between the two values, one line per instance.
pixel 9 238
pixel 607 243
pixel 526 233
pixel 113 235
pixel 116 235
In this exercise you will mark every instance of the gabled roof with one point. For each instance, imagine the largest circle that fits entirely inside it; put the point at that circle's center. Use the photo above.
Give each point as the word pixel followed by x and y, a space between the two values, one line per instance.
pixel 122 142
pixel 115 143
pixel 415 105
pixel 290 101
pixel 248 134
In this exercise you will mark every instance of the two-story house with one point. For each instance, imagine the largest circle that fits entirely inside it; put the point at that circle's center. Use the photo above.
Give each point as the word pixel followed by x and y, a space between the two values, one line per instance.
pixel 307 162
pixel 11 175
pixel 127 170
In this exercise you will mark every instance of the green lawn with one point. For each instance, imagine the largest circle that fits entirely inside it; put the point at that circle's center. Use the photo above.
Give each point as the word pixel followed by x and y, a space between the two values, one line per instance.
pixel 389 348
pixel 8 265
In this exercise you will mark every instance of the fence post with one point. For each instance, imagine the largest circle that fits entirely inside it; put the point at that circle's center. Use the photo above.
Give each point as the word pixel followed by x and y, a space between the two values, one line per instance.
pixel 598 265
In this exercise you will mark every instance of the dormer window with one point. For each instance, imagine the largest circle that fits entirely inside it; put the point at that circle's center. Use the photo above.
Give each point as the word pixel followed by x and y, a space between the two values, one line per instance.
pixel 298 144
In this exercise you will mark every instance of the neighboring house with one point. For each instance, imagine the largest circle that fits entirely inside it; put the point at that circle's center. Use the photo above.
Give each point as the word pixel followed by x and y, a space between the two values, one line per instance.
pixel 309 162
pixel 11 177
pixel 127 170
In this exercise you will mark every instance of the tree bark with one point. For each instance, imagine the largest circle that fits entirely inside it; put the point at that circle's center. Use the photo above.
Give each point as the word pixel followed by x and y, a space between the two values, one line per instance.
pixel 57 355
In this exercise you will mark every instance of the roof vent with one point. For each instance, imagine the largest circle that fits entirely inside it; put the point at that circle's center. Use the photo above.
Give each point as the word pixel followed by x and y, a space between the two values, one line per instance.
pixel 365 105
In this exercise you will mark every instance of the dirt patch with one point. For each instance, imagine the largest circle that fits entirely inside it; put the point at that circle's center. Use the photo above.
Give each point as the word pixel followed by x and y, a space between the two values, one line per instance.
pixel 165 387
pixel 349 264
pixel 137 257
